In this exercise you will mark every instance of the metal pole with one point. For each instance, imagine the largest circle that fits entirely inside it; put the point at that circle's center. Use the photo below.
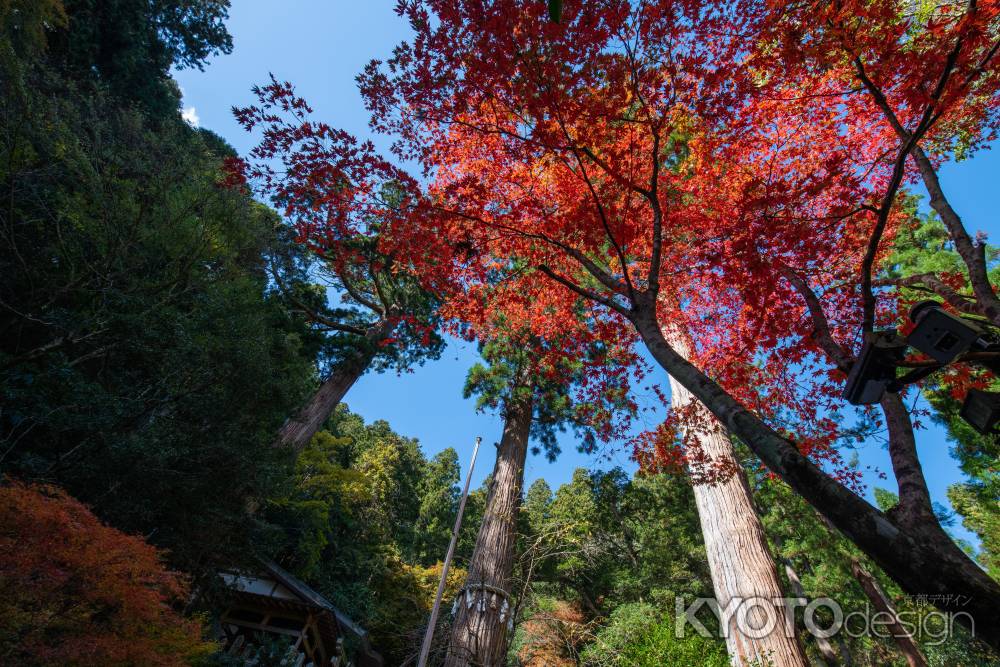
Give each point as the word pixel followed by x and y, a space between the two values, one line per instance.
pixel 425 648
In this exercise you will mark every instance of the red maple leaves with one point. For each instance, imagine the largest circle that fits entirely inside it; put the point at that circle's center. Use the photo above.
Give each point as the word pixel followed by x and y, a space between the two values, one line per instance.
pixel 738 161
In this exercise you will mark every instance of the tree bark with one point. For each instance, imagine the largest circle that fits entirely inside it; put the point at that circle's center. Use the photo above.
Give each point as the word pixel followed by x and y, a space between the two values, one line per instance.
pixel 822 643
pixel 739 561
pixel 915 508
pixel 920 564
pixel 973 253
pixel 908 647
pixel 915 511
pixel 299 430
pixel 479 634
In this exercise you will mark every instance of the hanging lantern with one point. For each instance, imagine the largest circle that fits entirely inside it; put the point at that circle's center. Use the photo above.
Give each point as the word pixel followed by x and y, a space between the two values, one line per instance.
pixel 940 335
pixel 981 410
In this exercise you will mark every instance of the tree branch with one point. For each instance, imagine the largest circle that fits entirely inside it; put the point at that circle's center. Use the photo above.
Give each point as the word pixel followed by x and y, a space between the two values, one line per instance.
pixel 357 296
pixel 821 326
pixel 656 253
pixel 311 312
pixel 582 291
pixel 602 215
pixel 931 283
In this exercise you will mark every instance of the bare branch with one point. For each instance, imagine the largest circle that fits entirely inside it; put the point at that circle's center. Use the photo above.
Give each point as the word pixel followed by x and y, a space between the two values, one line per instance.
pixel 656 254
pixel 615 176
pixel 868 262
pixel 583 291
pixel 934 285
pixel 821 325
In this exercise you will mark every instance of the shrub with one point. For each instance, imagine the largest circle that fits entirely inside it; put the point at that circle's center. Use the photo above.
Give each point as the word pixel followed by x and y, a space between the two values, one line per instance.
pixel 74 591
pixel 639 635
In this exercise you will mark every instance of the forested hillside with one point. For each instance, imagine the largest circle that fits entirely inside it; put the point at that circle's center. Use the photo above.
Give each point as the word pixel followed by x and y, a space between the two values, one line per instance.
pixel 717 204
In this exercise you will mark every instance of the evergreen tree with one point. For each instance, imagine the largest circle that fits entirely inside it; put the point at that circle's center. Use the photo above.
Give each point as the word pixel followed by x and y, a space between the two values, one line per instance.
pixel 533 389
pixel 127 47
pixel 145 359
pixel 363 522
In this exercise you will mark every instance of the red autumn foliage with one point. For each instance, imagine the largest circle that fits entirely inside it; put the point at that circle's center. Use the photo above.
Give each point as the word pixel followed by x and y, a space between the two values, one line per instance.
pixel 728 170
pixel 335 188
pixel 742 134
pixel 723 156
pixel 74 591
pixel 771 159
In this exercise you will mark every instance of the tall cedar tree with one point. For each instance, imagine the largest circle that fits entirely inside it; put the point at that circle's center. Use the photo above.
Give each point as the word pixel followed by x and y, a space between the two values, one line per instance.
pixel 738 557
pixel 338 195
pixel 532 384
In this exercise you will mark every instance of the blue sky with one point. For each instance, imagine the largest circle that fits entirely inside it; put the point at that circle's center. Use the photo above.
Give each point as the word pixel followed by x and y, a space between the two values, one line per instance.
pixel 320 45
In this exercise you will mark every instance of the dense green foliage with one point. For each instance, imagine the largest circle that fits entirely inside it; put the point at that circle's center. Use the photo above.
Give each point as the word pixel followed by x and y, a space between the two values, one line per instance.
pixel 157 328
pixel 512 366
pixel 617 539
pixel 640 635
pixel 371 295
pixel 608 545
pixel 128 46
pixel 145 364
pixel 367 521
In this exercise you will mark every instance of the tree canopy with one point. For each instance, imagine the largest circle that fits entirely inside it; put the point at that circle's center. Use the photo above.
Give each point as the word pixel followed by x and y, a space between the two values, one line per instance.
pixel 593 193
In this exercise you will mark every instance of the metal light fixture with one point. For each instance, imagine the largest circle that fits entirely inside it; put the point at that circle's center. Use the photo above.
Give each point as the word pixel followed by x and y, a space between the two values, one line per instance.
pixel 943 337
pixel 940 335
pixel 981 410
pixel 875 367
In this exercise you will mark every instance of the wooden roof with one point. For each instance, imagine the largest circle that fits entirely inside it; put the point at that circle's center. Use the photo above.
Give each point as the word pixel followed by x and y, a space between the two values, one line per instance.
pixel 274 587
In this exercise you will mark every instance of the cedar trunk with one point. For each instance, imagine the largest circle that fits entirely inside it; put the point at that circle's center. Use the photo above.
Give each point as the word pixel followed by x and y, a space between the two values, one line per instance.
pixel 738 557
pixel 299 430
pixel 920 561
pixel 878 598
pixel 479 634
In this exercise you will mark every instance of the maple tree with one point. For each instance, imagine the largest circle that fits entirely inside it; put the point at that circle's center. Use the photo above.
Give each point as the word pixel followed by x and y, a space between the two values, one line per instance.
pixel 76 591
pixel 921 81
pixel 681 163
pixel 697 167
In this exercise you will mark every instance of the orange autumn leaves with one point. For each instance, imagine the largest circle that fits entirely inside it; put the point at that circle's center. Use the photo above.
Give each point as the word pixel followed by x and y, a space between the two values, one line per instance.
pixel 74 591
